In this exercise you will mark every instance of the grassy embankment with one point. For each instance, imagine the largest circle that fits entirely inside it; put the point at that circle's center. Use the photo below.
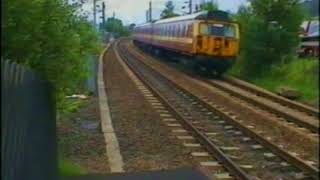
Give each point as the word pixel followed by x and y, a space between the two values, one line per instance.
pixel 299 74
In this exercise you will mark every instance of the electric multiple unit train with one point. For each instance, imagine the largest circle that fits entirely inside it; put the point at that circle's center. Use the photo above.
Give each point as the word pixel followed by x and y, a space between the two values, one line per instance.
pixel 209 40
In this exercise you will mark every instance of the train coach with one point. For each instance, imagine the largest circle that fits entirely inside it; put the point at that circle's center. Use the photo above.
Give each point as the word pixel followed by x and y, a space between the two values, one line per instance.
pixel 208 40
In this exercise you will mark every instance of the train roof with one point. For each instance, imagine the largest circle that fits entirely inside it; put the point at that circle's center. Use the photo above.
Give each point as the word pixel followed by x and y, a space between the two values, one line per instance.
pixel 203 15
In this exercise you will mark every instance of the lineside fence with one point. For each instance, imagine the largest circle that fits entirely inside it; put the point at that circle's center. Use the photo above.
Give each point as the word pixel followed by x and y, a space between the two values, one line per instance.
pixel 28 125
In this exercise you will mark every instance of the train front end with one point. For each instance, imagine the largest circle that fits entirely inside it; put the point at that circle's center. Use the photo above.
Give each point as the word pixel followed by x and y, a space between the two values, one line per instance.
pixel 218 39
pixel 217 43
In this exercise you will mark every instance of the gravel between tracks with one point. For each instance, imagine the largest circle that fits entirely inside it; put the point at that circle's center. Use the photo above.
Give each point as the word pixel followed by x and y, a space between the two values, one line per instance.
pixel 145 142
pixel 289 138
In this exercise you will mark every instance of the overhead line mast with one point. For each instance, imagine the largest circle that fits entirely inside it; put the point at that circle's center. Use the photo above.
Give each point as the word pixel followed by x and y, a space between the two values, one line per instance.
pixel 150 10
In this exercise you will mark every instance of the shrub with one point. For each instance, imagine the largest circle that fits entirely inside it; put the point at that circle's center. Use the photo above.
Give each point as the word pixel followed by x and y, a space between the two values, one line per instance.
pixel 269 34
pixel 48 37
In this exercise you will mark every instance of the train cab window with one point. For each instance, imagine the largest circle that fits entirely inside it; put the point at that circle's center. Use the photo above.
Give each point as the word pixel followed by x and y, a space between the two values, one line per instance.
pixel 224 30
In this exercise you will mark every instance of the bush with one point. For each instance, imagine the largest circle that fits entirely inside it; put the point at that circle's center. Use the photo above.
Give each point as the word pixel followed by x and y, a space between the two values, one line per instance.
pixel 299 74
pixel 48 37
pixel 269 34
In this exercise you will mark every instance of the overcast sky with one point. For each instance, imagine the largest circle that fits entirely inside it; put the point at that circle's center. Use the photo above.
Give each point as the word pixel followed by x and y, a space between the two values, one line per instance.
pixel 134 11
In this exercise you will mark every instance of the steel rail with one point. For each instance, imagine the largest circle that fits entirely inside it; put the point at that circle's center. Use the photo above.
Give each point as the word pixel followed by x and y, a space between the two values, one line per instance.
pixel 296 161
pixel 232 167
pixel 263 93
pixel 313 127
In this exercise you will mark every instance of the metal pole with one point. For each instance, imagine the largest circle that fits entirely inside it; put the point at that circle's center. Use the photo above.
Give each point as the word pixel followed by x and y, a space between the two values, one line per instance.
pixel 94 13
pixel 147 15
pixel 190 6
pixel 103 14
pixel 150 11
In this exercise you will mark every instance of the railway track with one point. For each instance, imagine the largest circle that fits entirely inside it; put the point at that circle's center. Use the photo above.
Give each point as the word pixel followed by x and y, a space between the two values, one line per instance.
pixel 281 109
pixel 242 152
pixel 299 116
pixel 278 99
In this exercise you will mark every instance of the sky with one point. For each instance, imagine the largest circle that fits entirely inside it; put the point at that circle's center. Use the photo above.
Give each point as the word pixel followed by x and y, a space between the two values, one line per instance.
pixel 134 11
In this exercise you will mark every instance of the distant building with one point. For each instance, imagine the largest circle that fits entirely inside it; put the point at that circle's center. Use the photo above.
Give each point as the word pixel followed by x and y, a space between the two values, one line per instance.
pixel 312 7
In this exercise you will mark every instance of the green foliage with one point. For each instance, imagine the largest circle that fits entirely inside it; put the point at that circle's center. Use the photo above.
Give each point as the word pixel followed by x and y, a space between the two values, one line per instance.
pixel 168 12
pixel 116 27
pixel 269 34
pixel 300 74
pixel 209 6
pixel 66 168
pixel 71 106
pixel 48 37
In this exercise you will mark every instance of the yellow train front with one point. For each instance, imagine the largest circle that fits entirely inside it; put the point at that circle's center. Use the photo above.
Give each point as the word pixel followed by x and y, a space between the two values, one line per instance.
pixel 209 40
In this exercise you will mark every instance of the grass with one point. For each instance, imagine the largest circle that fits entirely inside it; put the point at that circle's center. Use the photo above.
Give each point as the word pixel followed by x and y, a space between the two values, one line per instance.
pixel 67 168
pixel 71 106
pixel 299 74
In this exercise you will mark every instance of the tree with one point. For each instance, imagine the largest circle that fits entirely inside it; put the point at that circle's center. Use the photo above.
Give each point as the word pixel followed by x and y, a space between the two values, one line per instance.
pixel 132 26
pixel 209 6
pixel 269 33
pixel 116 27
pixel 49 38
pixel 168 11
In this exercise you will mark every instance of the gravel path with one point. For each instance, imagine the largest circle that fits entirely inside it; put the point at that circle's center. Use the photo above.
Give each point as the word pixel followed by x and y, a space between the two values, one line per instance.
pixel 145 142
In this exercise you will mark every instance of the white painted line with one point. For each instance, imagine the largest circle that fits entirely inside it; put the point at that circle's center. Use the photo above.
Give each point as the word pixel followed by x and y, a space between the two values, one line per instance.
pixel 112 146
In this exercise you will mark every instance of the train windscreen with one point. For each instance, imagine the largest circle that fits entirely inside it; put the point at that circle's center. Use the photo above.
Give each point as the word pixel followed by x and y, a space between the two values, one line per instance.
pixel 216 29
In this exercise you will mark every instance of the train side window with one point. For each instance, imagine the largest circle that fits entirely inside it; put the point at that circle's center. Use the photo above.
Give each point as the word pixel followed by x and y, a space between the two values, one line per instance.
pixel 165 30
pixel 190 30
pixel 183 34
pixel 173 31
pixel 185 30
pixel 177 30
pixel 182 30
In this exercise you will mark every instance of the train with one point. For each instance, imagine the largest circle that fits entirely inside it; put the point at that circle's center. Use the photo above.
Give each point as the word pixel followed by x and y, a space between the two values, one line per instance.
pixel 309 45
pixel 207 40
